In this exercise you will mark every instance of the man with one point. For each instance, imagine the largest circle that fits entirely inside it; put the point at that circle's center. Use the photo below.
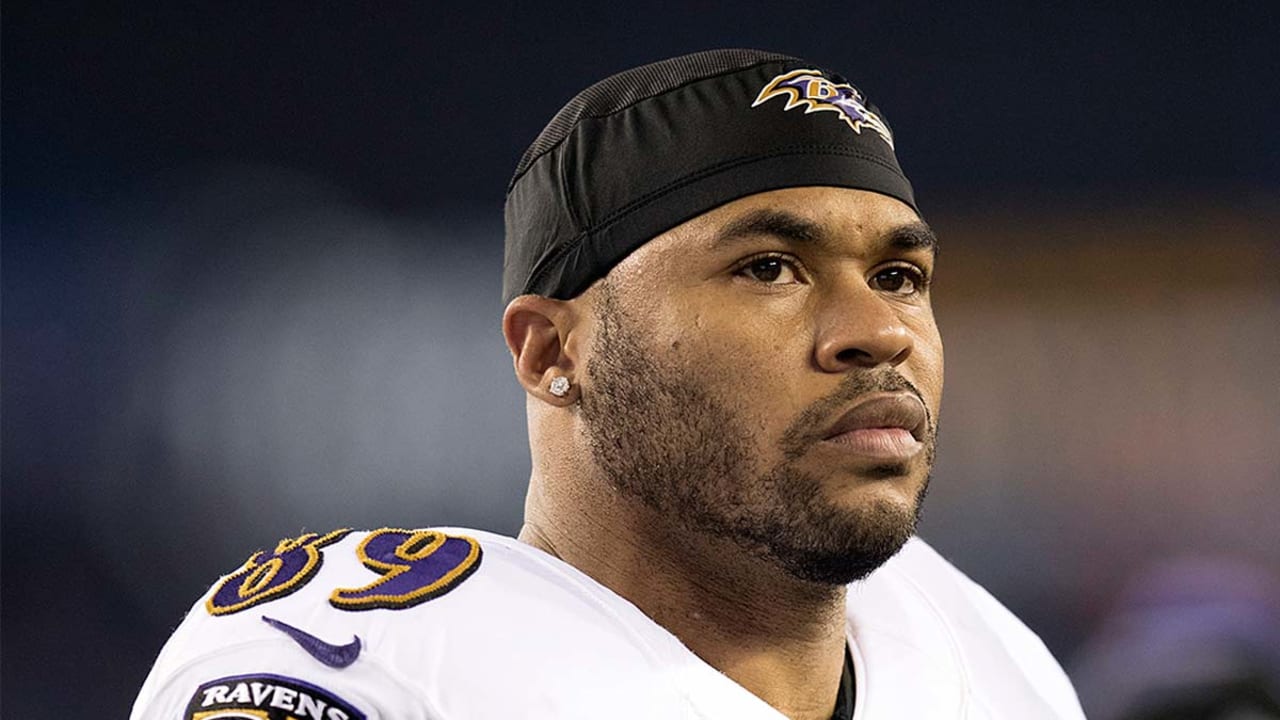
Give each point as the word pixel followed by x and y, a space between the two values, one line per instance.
pixel 718 302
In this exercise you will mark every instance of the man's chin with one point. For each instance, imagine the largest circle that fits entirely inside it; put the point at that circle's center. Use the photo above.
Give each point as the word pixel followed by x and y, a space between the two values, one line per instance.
pixel 846 547
pixel 843 568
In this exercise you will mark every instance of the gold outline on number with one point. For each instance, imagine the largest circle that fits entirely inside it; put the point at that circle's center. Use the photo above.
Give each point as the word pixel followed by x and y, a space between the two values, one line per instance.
pixel 419 545
pixel 251 581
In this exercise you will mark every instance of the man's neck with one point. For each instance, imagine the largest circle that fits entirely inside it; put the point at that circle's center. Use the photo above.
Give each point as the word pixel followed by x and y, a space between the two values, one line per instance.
pixel 780 638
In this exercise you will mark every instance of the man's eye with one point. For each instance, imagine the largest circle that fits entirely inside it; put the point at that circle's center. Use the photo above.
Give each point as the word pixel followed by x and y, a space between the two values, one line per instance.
pixel 771 269
pixel 899 281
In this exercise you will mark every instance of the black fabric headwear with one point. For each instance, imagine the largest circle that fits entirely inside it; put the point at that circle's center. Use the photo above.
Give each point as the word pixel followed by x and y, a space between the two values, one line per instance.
pixel 645 150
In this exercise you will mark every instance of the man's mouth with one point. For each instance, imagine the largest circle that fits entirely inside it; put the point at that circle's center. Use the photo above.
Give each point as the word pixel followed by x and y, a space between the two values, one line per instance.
pixel 883 426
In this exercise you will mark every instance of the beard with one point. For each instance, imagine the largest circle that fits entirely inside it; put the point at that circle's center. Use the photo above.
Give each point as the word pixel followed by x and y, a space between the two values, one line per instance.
pixel 660 436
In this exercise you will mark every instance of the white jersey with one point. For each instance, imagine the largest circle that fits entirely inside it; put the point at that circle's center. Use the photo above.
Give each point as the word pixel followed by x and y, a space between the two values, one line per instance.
pixel 452 624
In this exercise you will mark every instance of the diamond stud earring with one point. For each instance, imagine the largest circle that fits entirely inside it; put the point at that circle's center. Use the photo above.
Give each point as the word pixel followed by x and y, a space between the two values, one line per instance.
pixel 560 386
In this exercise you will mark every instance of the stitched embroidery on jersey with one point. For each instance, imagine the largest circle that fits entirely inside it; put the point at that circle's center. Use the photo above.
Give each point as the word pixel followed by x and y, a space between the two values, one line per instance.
pixel 416 566
pixel 267 697
pixel 270 576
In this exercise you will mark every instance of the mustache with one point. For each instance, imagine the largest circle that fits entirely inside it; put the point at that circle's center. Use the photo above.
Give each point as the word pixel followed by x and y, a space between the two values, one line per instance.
pixel 810 424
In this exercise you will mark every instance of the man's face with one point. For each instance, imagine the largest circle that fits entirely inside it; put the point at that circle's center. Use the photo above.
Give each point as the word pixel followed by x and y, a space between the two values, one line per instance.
pixel 770 373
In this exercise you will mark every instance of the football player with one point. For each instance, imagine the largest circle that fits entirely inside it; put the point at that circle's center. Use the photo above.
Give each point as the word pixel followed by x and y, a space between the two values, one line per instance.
pixel 718 302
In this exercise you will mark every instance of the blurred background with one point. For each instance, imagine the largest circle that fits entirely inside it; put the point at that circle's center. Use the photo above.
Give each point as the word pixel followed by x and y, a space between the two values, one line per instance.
pixel 251 262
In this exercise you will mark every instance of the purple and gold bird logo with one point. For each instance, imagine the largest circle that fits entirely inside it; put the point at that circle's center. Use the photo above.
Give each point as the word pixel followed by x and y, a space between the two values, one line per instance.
pixel 810 89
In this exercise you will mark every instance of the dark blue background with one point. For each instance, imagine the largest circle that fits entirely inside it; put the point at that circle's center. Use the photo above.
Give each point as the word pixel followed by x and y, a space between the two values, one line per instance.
pixel 428 105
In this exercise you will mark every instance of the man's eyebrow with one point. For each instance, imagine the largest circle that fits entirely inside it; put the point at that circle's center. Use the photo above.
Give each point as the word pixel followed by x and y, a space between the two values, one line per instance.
pixel 913 236
pixel 801 231
pixel 775 223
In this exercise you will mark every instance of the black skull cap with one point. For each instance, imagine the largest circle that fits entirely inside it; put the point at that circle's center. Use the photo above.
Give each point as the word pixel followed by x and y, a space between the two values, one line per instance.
pixel 644 150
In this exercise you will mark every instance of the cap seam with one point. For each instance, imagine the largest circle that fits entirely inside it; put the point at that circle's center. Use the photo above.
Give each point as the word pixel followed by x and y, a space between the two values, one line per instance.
pixel 550 260
pixel 570 206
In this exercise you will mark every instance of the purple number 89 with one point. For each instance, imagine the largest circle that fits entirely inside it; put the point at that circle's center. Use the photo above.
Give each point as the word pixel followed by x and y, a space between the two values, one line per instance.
pixel 415 565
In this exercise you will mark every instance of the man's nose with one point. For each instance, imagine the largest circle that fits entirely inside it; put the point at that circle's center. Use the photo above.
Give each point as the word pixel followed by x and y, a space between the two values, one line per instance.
pixel 859 327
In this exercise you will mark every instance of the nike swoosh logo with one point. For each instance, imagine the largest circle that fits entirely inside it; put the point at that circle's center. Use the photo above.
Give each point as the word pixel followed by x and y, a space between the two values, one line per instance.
pixel 335 656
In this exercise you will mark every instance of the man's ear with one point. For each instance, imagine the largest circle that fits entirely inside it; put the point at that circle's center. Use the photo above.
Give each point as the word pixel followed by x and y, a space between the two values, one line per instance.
pixel 537 331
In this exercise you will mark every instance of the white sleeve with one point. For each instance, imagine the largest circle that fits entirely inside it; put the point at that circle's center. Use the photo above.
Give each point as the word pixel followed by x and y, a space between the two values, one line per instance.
pixel 265 642
pixel 274 678
pixel 239 662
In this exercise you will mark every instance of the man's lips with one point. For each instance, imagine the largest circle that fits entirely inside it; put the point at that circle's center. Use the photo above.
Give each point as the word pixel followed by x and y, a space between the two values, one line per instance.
pixel 889 426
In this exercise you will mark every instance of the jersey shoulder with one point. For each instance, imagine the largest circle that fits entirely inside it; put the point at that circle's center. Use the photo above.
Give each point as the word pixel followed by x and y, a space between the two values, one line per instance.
pixel 437 622
pixel 921 610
